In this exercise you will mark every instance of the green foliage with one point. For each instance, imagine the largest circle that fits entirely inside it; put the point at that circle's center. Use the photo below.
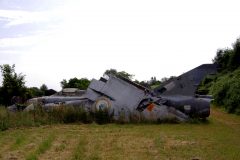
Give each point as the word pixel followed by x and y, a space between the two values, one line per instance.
pixel 225 86
pixel 205 85
pixel 43 89
pixel 33 92
pixel 13 88
pixel 121 73
pixel 82 83
pixel 154 82
pixel 13 84
pixel 111 71
pixel 226 91
pixel 228 59
pixel 165 79
pixel 143 83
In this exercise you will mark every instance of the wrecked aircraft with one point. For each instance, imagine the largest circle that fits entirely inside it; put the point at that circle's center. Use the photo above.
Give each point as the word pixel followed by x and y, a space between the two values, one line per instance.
pixel 126 100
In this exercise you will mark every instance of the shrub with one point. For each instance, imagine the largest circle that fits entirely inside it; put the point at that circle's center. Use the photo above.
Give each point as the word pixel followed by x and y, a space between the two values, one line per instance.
pixel 226 91
pixel 233 97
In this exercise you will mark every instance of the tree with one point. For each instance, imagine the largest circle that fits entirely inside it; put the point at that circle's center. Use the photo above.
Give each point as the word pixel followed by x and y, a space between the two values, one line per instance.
pixel 228 59
pixel 33 92
pixel 82 83
pixel 13 84
pixel 111 71
pixel 222 58
pixel 122 73
pixel 154 81
pixel 165 79
pixel 44 88
pixel 235 57
pixel 145 84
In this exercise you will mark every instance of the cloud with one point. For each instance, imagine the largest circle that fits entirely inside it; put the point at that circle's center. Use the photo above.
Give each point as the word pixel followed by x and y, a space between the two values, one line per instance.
pixel 20 28
pixel 18 17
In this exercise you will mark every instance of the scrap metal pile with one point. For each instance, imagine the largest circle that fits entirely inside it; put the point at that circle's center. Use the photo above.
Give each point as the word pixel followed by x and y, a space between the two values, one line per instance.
pixel 124 99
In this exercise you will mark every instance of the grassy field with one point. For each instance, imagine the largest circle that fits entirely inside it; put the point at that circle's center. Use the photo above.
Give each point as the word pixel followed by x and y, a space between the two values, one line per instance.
pixel 219 139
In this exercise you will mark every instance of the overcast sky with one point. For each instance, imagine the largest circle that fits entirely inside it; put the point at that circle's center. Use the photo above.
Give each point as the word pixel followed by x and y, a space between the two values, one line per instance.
pixel 52 40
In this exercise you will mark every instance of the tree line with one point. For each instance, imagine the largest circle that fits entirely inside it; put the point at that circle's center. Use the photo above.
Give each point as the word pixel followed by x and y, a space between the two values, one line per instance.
pixel 14 90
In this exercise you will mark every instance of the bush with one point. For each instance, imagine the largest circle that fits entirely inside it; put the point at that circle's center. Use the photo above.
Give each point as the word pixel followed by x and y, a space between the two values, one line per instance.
pixel 205 85
pixel 233 97
pixel 226 91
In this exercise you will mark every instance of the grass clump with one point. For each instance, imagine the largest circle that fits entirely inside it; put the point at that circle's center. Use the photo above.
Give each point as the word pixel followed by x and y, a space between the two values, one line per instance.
pixel 42 148
pixel 4 123
pixel 20 139
pixel 79 151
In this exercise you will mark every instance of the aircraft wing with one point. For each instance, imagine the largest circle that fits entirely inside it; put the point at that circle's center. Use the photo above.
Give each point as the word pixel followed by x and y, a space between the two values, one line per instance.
pixel 187 83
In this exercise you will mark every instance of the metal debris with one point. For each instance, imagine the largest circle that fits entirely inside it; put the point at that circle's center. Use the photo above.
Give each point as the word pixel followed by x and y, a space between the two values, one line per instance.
pixel 127 101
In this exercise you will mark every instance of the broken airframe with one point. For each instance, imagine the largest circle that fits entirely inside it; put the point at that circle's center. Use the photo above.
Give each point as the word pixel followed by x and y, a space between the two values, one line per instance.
pixel 126 100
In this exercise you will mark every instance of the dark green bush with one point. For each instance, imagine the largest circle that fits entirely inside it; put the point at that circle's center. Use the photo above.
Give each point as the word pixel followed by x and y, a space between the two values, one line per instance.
pixel 205 85
pixel 233 97
pixel 226 91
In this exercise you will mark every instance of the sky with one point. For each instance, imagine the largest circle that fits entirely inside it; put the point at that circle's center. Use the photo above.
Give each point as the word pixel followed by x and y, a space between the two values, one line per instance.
pixel 52 40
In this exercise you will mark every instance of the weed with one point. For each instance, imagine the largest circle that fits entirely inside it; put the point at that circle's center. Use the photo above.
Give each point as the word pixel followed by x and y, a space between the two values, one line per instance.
pixel 42 148
pixel 79 151
pixel 19 141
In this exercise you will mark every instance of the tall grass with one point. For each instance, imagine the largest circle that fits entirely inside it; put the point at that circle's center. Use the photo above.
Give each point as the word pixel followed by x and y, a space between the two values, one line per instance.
pixel 67 114
pixel 60 114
